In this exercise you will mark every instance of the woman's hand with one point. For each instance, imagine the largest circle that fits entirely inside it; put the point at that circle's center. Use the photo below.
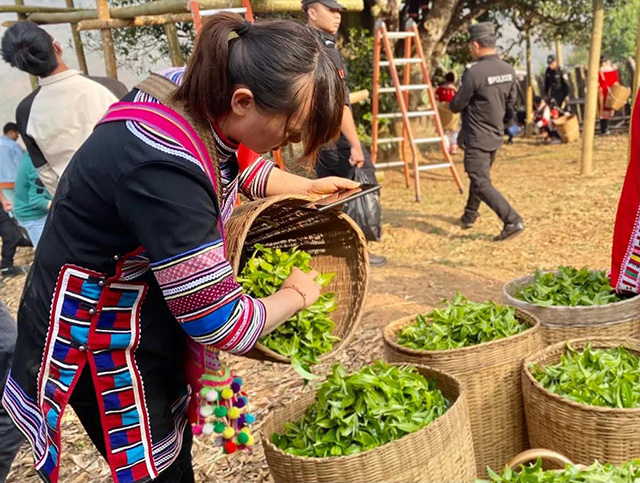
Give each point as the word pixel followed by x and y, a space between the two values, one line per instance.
pixel 327 186
pixel 304 284
pixel 298 292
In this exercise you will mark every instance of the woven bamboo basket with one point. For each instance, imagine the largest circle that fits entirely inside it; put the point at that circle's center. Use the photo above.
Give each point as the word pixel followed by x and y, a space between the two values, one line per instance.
pixel 620 319
pixel 568 128
pixel 440 452
pixel 490 375
pixel 580 432
pixel 550 459
pixel 333 240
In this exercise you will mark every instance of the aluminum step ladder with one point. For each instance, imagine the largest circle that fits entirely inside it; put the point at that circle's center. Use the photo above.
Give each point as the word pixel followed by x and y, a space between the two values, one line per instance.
pixel 402 90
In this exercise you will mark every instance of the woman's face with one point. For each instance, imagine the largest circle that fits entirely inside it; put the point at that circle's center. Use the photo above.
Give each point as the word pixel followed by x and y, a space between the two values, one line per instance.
pixel 262 131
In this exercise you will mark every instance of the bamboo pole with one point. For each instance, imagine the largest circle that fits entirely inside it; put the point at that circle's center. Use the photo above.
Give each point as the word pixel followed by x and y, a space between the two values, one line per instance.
pixel 118 23
pixel 559 51
pixel 77 44
pixel 163 7
pixel 108 49
pixel 529 99
pixel 171 31
pixel 592 88
pixel 27 9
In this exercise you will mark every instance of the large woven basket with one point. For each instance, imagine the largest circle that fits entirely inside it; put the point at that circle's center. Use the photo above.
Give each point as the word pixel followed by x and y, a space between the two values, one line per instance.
pixel 619 319
pixel 490 375
pixel 441 452
pixel 334 241
pixel 580 432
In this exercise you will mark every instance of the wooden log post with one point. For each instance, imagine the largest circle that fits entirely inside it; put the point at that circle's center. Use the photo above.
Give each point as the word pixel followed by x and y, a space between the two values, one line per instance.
pixel 108 49
pixel 77 44
pixel 175 54
pixel 559 51
pixel 21 16
pixel 142 21
pixel 591 104
pixel 528 132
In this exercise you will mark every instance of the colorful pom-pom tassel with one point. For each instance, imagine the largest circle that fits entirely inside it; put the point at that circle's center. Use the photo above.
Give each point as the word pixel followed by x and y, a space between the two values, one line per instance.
pixel 211 396
pixel 197 429
pixel 227 393
pixel 230 447
pixel 240 402
pixel 206 411
pixel 234 413
pixel 243 438
pixel 235 387
pixel 250 418
pixel 228 433
pixel 220 411
pixel 218 427
pixel 207 429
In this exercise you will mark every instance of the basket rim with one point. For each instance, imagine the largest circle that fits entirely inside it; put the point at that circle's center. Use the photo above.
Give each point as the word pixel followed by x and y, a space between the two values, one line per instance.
pixel 364 261
pixel 598 343
pixel 460 401
pixel 525 278
pixel 521 314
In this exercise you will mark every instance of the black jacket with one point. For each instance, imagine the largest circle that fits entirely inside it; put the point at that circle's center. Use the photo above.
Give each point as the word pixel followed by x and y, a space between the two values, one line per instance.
pixel 556 84
pixel 488 86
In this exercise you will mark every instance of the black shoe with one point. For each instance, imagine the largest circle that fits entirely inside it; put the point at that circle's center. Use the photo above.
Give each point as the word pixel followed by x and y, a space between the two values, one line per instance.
pixel 9 272
pixel 377 260
pixel 466 223
pixel 509 231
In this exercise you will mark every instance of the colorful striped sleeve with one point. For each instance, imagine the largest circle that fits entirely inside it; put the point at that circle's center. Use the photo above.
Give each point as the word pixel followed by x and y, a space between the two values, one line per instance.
pixel 255 173
pixel 171 210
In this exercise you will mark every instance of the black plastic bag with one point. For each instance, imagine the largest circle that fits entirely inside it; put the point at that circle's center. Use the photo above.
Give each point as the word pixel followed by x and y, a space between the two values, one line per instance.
pixel 366 211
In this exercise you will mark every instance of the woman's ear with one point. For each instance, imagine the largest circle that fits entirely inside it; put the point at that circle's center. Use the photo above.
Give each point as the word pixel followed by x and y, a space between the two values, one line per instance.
pixel 242 101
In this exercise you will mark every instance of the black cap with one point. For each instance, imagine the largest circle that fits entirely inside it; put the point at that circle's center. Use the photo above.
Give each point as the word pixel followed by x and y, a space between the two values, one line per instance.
pixel 480 30
pixel 551 58
pixel 327 3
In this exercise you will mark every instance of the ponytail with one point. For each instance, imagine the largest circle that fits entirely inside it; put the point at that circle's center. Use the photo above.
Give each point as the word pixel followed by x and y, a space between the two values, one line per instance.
pixel 281 62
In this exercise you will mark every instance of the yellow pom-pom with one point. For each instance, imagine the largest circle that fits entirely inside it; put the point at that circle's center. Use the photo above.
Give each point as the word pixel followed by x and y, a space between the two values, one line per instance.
pixel 234 413
pixel 245 430
pixel 250 442
pixel 227 393
pixel 228 433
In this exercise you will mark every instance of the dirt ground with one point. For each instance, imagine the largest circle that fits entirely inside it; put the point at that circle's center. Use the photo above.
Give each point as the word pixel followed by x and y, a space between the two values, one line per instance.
pixel 569 221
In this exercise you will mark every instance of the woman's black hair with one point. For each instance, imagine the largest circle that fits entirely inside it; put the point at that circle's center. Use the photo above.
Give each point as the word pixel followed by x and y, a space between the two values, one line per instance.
pixel 29 48
pixel 280 61
pixel 450 77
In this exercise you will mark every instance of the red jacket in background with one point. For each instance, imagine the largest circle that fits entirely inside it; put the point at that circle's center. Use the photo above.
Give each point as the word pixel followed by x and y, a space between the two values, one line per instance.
pixel 606 79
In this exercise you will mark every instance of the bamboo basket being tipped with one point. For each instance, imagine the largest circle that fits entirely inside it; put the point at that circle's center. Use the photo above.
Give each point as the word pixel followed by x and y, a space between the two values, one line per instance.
pixel 333 240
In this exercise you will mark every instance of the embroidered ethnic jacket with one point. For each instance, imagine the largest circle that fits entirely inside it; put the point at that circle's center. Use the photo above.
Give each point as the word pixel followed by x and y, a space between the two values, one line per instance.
pixel 130 265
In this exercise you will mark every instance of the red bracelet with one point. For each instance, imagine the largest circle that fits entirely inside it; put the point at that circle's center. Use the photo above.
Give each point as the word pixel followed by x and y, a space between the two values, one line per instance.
pixel 304 297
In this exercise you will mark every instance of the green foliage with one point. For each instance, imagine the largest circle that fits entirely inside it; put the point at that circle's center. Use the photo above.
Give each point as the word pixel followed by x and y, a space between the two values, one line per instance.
pixel 364 410
pixel 597 377
pixel 461 323
pixel 569 287
pixel 309 333
pixel 620 31
pixel 596 473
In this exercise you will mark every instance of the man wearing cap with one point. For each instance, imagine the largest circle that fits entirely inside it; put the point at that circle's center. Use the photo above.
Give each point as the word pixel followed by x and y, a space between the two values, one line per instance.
pixel 347 153
pixel 556 82
pixel 488 87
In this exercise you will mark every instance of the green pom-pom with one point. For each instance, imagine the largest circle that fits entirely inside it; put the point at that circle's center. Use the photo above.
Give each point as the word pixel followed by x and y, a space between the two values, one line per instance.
pixel 219 426
pixel 243 438
pixel 220 411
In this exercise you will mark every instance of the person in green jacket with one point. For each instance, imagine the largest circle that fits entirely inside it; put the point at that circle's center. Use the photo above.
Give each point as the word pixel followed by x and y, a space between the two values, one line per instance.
pixel 31 201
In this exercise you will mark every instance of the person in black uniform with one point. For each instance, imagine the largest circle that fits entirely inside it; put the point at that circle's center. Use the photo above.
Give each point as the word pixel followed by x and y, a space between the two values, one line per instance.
pixel 347 153
pixel 556 82
pixel 488 86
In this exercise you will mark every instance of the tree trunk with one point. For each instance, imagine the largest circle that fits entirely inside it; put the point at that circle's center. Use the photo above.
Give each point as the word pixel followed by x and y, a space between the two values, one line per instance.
pixel 173 43
pixel 435 26
pixel 592 88
pixel 559 51
pixel 77 44
pixel 108 49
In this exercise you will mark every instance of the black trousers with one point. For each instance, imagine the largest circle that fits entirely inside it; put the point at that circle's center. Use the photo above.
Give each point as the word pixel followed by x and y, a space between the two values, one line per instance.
pixel 335 162
pixel 84 402
pixel 11 238
pixel 10 437
pixel 477 164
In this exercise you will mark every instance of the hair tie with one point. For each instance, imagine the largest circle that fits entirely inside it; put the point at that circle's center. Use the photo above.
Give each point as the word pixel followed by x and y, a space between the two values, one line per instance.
pixel 244 28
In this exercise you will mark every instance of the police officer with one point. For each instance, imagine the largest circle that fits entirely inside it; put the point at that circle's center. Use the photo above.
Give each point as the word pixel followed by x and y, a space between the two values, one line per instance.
pixel 488 86
pixel 341 158
pixel 556 82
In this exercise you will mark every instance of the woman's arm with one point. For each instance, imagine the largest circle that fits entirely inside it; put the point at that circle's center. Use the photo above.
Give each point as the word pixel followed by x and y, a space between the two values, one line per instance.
pixel 283 183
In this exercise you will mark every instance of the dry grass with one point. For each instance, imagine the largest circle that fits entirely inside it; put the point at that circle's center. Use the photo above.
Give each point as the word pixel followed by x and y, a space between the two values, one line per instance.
pixel 569 221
